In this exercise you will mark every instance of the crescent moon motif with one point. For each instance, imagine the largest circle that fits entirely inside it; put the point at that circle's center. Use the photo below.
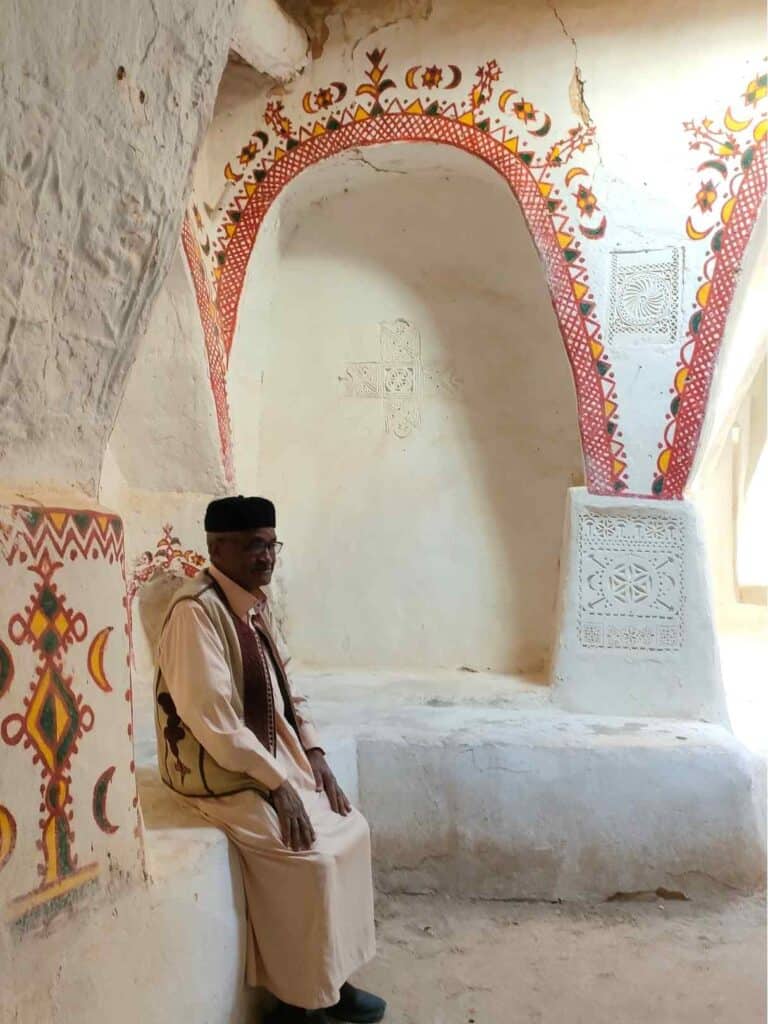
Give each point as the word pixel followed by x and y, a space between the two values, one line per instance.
pixel 456 70
pixel 680 378
pixel 6 669
pixel 96 659
pixel 597 232
pixel 100 801
pixel 7 835
pixel 505 98
pixel 693 234
pixel 307 103
pixel 410 76
pixel 714 165
pixel 728 210
pixel 733 125
pixel 544 130
pixel 574 173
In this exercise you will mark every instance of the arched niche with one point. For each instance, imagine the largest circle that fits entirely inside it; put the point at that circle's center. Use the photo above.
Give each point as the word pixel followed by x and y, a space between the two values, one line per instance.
pixel 431 541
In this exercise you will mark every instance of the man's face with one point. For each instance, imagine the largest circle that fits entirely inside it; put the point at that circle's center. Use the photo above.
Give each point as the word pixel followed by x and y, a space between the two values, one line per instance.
pixel 247 557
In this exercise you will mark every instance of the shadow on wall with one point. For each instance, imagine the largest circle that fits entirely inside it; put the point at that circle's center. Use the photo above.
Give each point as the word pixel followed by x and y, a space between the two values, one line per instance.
pixel 416 420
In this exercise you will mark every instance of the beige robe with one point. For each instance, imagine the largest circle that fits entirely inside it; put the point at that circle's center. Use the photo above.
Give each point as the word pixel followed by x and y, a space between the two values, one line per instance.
pixel 310 913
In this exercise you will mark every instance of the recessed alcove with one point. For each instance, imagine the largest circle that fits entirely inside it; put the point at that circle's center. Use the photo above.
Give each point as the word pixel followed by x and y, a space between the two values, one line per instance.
pixel 398 383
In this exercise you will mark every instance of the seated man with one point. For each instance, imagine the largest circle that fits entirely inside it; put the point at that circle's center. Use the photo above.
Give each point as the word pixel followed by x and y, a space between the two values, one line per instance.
pixel 236 741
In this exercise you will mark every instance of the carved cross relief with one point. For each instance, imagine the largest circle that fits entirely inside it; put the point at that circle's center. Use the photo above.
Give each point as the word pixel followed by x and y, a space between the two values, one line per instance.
pixel 400 379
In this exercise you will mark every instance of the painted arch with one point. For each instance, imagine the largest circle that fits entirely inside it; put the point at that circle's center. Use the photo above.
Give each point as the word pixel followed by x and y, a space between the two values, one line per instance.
pixel 506 138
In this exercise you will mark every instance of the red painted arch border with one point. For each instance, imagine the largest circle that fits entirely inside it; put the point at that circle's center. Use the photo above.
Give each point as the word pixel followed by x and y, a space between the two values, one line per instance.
pixel 706 329
pixel 217 356
pixel 571 298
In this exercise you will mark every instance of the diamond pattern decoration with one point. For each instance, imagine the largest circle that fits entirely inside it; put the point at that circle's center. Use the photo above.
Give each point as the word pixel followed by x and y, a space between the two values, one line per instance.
pixel 54 721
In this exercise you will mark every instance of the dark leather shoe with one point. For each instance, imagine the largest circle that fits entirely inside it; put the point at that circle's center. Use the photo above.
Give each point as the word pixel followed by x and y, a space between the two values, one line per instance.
pixel 357 1006
pixel 286 1014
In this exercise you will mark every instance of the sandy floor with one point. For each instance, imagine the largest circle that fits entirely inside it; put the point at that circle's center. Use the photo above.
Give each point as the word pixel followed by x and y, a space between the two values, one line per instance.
pixel 657 962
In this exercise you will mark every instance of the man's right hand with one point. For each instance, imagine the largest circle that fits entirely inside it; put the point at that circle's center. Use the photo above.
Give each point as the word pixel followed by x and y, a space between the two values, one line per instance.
pixel 295 827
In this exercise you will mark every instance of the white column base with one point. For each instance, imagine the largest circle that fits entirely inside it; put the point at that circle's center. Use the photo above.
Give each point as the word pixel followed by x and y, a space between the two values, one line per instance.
pixel 635 625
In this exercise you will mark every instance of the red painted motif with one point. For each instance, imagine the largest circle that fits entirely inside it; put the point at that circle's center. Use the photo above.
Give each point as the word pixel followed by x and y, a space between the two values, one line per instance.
pixel 168 557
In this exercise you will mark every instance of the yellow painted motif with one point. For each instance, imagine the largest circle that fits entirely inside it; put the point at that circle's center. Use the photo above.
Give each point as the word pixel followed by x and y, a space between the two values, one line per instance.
pixel 734 125
pixel 702 295
pixel 96 659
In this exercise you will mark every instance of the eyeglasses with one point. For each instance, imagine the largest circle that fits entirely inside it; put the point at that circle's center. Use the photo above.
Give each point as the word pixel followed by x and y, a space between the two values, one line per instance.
pixel 261 547
pixel 257 547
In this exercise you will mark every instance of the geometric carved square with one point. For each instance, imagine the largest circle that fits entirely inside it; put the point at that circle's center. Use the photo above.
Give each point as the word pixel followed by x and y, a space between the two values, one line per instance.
pixel 363 380
pixel 645 296
pixel 631 581
pixel 400 380
pixel 400 342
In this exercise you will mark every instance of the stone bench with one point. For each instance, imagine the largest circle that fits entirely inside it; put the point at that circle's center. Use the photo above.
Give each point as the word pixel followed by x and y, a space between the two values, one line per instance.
pixel 474 786
pixel 493 792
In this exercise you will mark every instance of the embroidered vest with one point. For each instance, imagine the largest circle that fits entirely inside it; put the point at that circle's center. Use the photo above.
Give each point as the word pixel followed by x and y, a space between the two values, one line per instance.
pixel 185 766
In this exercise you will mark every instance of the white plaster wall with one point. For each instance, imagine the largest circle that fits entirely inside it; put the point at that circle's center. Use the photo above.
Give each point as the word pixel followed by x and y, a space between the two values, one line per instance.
pixel 439 549
pixel 168 951
pixel 166 437
pixel 96 166
pixel 717 501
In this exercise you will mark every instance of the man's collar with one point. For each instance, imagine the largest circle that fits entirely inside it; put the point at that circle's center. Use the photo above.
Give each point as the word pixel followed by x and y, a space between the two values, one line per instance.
pixel 240 600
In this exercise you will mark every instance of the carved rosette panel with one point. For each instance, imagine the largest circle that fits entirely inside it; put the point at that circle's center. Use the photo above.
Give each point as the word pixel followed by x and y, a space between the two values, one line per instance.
pixel 631 581
pixel 645 296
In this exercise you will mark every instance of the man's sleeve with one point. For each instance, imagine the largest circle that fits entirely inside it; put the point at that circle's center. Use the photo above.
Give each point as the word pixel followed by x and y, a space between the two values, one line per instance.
pixel 307 730
pixel 195 669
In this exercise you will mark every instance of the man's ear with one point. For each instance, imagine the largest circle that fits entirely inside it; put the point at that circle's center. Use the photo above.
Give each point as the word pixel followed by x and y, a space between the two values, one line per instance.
pixel 213 546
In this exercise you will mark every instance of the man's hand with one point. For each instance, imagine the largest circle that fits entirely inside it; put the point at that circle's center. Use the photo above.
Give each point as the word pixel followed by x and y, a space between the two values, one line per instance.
pixel 326 780
pixel 295 827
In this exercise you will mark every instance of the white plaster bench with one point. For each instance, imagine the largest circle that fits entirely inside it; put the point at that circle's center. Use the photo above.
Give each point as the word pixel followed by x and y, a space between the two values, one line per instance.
pixel 474 786
pixel 478 786
pixel 493 792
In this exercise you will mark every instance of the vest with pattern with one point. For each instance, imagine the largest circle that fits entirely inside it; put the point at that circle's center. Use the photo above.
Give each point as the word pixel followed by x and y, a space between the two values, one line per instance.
pixel 185 766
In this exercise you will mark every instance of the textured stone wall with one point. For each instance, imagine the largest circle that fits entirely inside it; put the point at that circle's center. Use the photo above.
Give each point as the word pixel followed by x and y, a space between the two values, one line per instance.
pixel 104 108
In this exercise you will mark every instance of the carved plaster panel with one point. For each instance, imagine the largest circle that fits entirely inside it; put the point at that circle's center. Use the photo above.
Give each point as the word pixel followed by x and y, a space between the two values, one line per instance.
pixel 645 296
pixel 631 581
